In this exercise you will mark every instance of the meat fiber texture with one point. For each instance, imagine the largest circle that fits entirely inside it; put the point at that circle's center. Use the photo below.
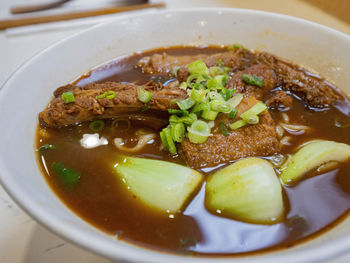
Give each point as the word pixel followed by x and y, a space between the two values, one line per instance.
pixel 86 107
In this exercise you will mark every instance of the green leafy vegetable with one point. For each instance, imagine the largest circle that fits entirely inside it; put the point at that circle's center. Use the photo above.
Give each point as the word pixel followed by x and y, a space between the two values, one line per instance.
pixel 68 97
pixel 68 177
pixel 248 190
pixel 253 80
pixel 311 156
pixel 162 185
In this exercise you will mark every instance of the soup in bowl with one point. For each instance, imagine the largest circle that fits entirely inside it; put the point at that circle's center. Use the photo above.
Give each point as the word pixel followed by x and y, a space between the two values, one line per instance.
pixel 226 140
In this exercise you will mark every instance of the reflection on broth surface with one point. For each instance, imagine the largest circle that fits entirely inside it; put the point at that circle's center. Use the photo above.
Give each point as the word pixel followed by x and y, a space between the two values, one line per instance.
pixel 99 195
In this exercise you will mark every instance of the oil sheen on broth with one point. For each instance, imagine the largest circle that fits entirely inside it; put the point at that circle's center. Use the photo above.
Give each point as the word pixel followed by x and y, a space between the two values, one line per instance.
pixel 314 205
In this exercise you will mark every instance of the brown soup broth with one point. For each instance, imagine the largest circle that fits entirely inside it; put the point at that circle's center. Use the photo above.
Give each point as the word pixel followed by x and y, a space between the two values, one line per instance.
pixel 101 199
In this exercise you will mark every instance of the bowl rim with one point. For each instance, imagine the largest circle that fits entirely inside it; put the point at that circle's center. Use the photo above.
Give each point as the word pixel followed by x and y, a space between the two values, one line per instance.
pixel 135 253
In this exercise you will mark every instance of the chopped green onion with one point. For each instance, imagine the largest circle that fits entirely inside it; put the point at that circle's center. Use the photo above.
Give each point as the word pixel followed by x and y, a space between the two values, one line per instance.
pixel 232 114
pixel 175 70
pixel 209 115
pixel 169 141
pixel 110 94
pixel 146 107
pixel 164 140
pixel 252 119
pixel 201 107
pixel 101 96
pixel 198 132
pixel 253 80
pixel 235 100
pixel 185 104
pixel 223 129
pixel 198 95
pixel 193 116
pixel 237 124
pixel 178 132
pixel 144 95
pixel 187 120
pixel 213 95
pixel 220 106
pixel 197 86
pixel 174 119
pixel 97 125
pixel 68 177
pixel 178 112
pixel 195 78
pixel 68 97
pixel 227 93
pixel 45 147
pixel 183 85
pixel 220 62
pixel 215 71
pixel 253 112
pixel 198 67
pixel 237 46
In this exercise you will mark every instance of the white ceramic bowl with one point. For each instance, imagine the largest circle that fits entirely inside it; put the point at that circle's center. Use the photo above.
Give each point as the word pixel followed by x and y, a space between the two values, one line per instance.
pixel 28 91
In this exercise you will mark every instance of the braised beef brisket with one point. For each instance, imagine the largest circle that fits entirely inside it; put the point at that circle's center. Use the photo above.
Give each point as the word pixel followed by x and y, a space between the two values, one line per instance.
pixel 86 107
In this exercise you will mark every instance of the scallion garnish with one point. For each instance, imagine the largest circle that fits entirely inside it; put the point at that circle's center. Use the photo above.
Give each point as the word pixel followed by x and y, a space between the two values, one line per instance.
pixel 144 95
pixel 169 141
pixel 223 129
pixel 97 125
pixel 198 132
pixel 220 106
pixel 68 97
pixel 209 115
pixel 68 177
pixel 178 132
pixel 200 107
pixel 253 111
pixel 232 114
pixel 108 95
pixel 237 124
pixel 198 67
pixel 178 112
pixel 253 80
pixel 185 104
pixel 237 46
pixel 45 147
pixel 227 93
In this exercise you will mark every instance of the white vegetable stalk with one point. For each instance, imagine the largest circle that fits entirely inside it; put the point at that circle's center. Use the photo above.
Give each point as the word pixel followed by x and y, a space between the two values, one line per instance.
pixel 247 190
pixel 162 185
pixel 311 156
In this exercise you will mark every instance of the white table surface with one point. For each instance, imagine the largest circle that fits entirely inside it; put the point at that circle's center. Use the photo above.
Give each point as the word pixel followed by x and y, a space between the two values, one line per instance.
pixel 21 238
